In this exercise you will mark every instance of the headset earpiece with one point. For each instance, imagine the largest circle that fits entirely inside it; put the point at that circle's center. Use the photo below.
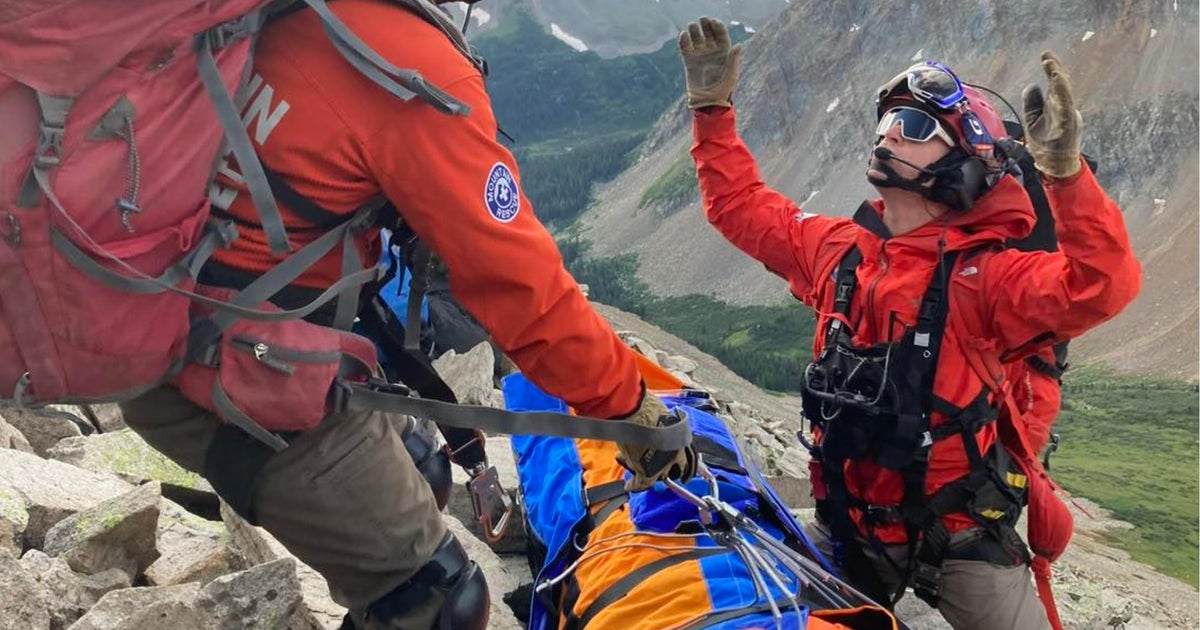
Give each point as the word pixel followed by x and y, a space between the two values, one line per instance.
pixel 959 186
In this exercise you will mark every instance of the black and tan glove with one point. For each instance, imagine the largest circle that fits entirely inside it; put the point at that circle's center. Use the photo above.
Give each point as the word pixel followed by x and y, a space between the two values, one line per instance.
pixel 649 465
pixel 1053 132
pixel 710 63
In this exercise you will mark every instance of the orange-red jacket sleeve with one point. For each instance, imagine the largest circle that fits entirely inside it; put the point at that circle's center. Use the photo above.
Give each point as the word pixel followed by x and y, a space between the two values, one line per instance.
pixel 1038 298
pixel 440 171
pixel 758 220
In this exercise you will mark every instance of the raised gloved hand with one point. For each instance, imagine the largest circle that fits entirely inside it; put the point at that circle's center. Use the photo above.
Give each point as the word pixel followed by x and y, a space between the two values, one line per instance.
pixel 1053 133
pixel 649 465
pixel 710 63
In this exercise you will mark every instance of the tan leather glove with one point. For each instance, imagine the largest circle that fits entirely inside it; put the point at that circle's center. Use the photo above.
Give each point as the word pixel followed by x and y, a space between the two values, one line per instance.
pixel 1053 133
pixel 647 464
pixel 710 63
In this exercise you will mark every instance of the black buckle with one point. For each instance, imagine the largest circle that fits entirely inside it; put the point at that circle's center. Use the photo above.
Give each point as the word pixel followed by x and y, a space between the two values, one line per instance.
pixel 881 514
pixel 926 581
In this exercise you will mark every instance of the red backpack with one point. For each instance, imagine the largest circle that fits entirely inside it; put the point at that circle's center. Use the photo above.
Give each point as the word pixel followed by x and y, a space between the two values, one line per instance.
pixel 115 114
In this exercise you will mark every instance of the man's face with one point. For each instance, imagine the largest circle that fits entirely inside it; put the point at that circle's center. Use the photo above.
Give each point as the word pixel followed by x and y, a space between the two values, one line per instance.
pixel 920 154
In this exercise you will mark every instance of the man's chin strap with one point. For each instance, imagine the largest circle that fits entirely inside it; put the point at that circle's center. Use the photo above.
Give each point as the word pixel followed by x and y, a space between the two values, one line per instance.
pixel 892 179
pixel 917 184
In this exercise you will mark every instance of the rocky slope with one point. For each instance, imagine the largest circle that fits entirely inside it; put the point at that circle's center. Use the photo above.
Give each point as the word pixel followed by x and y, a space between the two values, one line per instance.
pixel 99 532
pixel 805 106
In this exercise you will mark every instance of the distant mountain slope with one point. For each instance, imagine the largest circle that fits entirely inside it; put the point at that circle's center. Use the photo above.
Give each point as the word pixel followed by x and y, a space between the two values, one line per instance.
pixel 805 107
pixel 614 28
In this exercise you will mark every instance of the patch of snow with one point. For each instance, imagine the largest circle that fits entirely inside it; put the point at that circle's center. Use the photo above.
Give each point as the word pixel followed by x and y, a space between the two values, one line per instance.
pixel 734 23
pixel 1088 35
pixel 920 54
pixel 567 38
pixel 1153 32
pixel 750 29
pixel 854 27
pixel 480 16
pixel 832 106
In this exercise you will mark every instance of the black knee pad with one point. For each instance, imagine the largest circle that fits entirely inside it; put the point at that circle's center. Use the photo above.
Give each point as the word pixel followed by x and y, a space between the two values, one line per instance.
pixel 466 603
pixel 433 463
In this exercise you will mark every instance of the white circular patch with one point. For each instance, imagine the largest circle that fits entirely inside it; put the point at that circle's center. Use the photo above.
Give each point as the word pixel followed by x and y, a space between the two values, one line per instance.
pixel 501 195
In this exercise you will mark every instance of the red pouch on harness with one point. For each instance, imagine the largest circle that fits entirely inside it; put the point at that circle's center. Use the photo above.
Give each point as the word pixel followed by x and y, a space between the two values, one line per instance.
pixel 277 374
pixel 1051 524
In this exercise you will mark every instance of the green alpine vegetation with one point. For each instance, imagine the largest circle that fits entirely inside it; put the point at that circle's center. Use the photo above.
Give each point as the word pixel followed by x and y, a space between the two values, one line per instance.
pixel 766 345
pixel 1130 444
pixel 675 189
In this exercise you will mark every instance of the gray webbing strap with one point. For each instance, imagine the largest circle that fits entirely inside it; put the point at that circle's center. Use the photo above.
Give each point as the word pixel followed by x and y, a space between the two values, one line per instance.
pixel 347 301
pixel 230 412
pixel 401 82
pixel 669 438
pixel 236 309
pixel 51 129
pixel 417 288
pixel 188 267
pixel 291 268
pixel 236 134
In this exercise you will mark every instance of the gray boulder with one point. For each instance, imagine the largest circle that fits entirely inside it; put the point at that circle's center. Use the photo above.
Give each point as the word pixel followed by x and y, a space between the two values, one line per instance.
pixel 192 549
pixel 50 491
pixel 14 519
pixel 69 595
pixel 22 606
pixel 469 375
pixel 12 438
pixel 43 428
pixel 261 598
pixel 116 534
pixel 317 610
pixel 125 454
pixel 151 608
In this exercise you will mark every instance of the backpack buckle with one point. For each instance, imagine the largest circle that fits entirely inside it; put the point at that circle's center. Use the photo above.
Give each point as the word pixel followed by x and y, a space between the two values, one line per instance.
pixel 226 33
pixel 50 138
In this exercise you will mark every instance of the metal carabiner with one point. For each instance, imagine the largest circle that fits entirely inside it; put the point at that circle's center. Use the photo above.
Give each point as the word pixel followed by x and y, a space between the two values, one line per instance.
pixel 491 503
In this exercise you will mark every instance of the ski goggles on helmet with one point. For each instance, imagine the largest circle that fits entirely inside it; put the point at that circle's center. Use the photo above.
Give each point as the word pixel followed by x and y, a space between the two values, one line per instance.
pixel 915 125
pixel 930 82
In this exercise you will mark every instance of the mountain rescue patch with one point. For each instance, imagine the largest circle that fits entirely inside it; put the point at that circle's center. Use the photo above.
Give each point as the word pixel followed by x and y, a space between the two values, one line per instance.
pixel 501 194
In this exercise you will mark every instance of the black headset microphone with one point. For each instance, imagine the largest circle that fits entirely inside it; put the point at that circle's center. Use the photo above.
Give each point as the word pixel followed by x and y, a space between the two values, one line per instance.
pixel 884 153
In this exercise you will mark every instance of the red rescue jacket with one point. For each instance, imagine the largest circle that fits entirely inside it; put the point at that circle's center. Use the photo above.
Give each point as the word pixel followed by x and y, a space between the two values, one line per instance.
pixel 1022 301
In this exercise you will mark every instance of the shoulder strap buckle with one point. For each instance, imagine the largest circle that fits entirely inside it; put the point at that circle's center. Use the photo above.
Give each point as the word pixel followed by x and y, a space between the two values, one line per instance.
pixel 226 33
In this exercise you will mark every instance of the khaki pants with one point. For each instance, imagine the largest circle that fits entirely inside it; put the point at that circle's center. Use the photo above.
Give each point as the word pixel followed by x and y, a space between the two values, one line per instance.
pixel 345 498
pixel 974 595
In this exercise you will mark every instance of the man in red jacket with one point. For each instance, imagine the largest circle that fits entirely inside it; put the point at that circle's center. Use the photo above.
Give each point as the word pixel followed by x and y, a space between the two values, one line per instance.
pixel 346 497
pixel 912 295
